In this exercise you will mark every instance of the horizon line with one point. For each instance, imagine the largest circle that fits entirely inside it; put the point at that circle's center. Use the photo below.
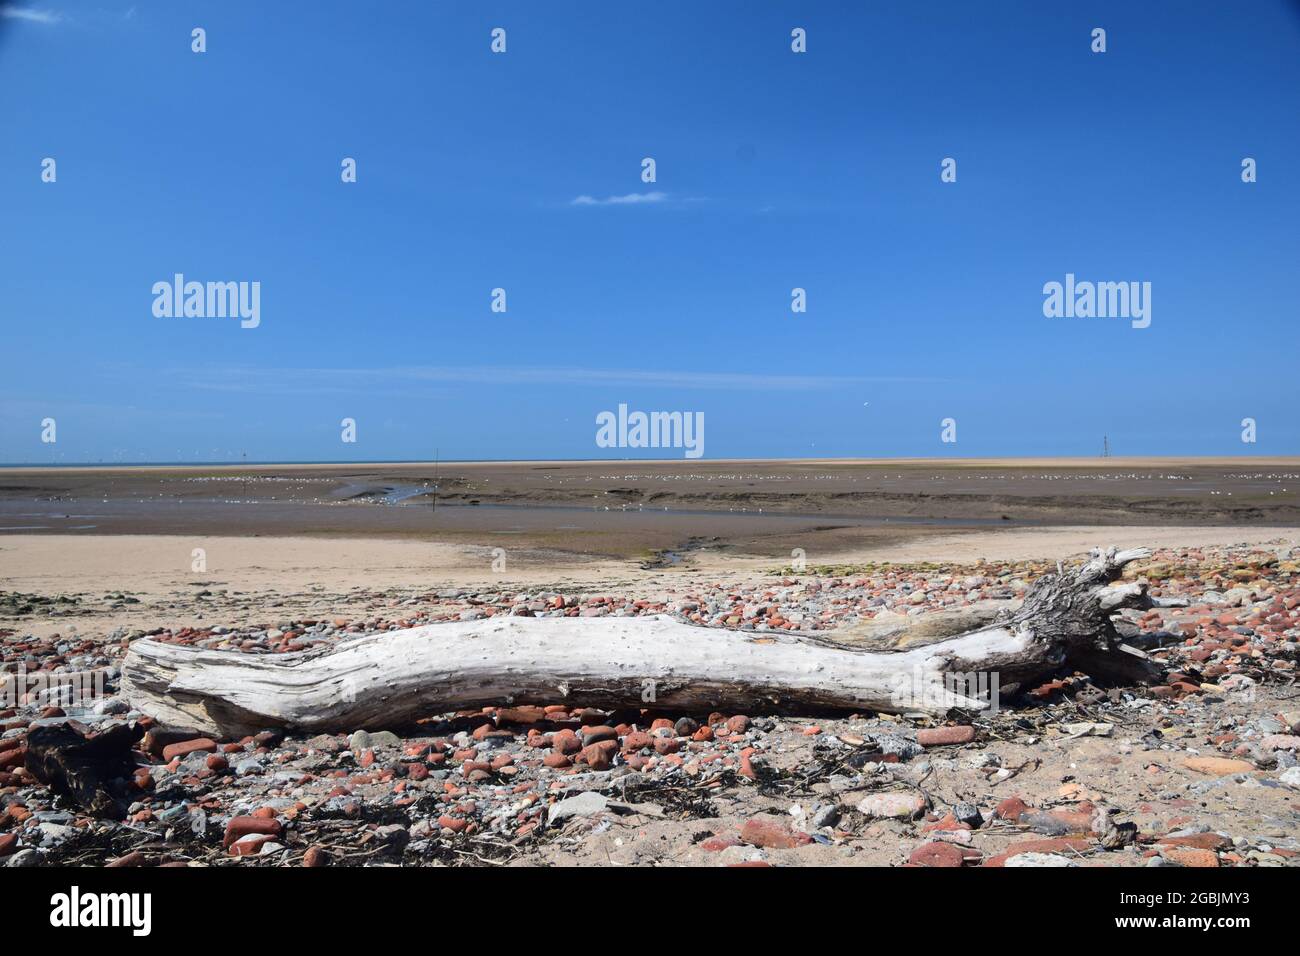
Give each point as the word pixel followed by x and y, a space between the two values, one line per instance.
pixel 1077 460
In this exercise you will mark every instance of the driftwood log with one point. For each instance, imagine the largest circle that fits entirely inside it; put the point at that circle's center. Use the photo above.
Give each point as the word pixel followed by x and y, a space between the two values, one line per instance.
pixel 386 680
pixel 84 767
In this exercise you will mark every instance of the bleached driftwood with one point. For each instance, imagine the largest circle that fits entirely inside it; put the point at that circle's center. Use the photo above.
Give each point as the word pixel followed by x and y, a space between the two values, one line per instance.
pixel 386 680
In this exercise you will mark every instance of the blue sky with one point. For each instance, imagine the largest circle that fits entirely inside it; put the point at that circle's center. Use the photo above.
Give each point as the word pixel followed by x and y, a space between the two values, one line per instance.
pixel 775 170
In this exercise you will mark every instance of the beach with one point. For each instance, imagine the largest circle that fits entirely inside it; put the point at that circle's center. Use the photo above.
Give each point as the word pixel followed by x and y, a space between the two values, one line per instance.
pixel 283 530
pixel 626 508
pixel 269 560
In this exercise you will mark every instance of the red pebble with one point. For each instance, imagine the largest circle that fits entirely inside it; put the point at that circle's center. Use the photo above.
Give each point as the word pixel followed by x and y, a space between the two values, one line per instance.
pixel 239 827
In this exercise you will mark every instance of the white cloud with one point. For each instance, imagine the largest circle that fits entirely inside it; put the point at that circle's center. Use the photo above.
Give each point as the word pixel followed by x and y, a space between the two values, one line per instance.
pixel 631 199
pixel 31 15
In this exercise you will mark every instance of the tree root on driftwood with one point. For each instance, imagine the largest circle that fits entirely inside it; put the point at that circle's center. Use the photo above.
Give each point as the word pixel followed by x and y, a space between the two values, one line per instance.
pixel 385 680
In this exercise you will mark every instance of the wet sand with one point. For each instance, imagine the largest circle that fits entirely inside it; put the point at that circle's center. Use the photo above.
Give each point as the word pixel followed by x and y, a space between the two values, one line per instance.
pixel 648 509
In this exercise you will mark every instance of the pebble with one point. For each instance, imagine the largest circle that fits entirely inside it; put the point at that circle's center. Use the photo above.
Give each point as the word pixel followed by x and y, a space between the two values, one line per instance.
pixel 584 804
pixel 26 858
pixel 772 832
pixel 316 856
pixel 937 854
pixel 899 806
pixel 1190 856
pixel 942 736
pixel 184 748
pixel 240 827
pixel 826 815
pixel 521 757
pixel 364 740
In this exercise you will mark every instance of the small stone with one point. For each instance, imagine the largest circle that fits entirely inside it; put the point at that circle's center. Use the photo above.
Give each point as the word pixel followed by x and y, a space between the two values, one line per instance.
pixel 1201 841
pixel 942 736
pixel 172 751
pixel 897 745
pixel 826 815
pixel 1191 856
pixel 685 727
pixel 936 854
pixel 520 715
pixel 269 739
pixel 599 756
pixel 772 832
pixel 240 827
pixel 565 742
pixel 738 724
pixel 250 845
pixel 718 843
pixel 582 805
pixel 897 806
pixel 637 740
pixel 363 740
pixel 316 856
pixel 1012 808
pixel 25 858
pixel 157 739
pixel 594 735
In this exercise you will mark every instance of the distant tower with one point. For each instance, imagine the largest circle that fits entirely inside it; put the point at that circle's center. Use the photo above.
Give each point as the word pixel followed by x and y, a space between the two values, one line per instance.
pixel 1105 446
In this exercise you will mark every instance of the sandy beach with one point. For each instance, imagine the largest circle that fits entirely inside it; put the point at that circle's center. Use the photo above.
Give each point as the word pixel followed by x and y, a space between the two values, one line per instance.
pixel 289 534
pixel 342 574
pixel 285 530
pixel 270 560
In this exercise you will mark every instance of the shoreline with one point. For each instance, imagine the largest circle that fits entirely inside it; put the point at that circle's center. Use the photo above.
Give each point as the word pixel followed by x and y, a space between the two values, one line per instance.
pixel 339 574
pixel 636 509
